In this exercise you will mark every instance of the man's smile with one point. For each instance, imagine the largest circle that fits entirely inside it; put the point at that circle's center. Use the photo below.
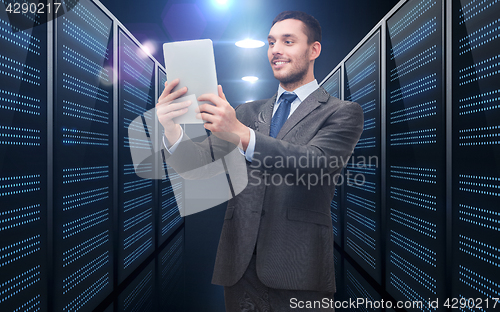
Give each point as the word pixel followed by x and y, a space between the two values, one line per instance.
pixel 279 63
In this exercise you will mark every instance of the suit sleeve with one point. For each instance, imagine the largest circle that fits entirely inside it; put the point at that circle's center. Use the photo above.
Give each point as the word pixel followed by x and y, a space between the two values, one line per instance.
pixel 333 144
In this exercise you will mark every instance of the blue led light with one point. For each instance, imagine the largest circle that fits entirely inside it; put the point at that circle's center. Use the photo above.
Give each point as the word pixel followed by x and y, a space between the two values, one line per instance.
pixel 417 87
pixel 366 143
pixel 32 305
pixel 485 99
pixel 85 88
pixel 480 37
pixel 85 247
pixel 361 202
pixel 362 236
pixel 136 75
pixel 411 270
pixel 414 38
pixel 136 185
pixel 479 182
pixel 89 18
pixel 24 184
pixel 20 216
pixel 417 224
pixel 479 8
pixel 171 224
pixel 81 224
pixel 144 200
pixel 170 213
pixel 138 93
pixel 84 38
pixel 416 249
pixel 87 295
pixel 134 255
pixel 128 50
pixel 362 58
pixel 369 259
pixel 361 219
pixel 368 106
pixel 13 252
pixel 416 12
pixel 81 110
pixel 418 110
pixel 84 272
pixel 480 250
pixel 416 62
pixel 409 292
pixel 21 39
pixel 19 283
pixel 19 103
pixel 402 195
pixel 82 62
pixel 137 219
pixel 334 221
pixel 490 66
pixel 483 285
pixel 366 72
pixel 137 235
pixel 332 85
pixel 145 282
pixel 363 293
pixel 364 91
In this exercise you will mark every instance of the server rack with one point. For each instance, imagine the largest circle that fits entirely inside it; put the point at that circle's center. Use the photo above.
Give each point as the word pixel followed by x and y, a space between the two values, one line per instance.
pixel 64 156
pixel 439 163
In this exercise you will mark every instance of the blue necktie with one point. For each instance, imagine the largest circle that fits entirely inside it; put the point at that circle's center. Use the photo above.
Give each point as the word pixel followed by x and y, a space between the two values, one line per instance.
pixel 281 114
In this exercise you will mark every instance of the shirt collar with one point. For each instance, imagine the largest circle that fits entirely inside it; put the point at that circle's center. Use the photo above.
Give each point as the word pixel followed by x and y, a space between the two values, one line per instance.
pixel 302 92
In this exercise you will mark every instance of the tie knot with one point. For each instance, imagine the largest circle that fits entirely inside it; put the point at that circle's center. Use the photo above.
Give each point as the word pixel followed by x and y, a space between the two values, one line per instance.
pixel 288 96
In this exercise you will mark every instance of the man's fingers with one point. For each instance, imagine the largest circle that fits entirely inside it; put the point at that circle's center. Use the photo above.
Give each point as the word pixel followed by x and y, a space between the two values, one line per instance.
pixel 168 95
pixel 221 93
pixel 168 88
pixel 207 108
pixel 165 109
pixel 206 117
pixel 169 115
pixel 214 99
pixel 176 94
pixel 172 96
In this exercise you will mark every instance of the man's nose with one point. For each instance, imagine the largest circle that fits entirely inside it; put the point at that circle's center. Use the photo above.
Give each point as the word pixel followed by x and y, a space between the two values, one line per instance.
pixel 277 48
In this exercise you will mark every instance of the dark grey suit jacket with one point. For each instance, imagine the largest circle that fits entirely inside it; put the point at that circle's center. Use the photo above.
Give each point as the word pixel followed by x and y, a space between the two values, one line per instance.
pixel 286 218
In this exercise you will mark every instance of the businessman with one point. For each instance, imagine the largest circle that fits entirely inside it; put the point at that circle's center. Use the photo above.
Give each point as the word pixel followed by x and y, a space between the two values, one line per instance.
pixel 276 247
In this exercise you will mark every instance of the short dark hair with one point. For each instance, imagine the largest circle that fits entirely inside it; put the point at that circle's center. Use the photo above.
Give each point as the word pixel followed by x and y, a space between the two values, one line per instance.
pixel 312 27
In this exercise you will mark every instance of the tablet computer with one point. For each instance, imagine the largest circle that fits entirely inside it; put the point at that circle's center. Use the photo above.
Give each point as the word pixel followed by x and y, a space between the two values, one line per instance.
pixel 193 63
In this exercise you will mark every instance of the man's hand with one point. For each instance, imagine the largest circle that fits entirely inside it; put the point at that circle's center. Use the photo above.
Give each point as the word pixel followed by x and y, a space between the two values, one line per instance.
pixel 166 111
pixel 221 119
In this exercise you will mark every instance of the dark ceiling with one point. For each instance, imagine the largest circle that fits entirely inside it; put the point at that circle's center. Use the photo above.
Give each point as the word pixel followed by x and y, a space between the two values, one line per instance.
pixel 344 24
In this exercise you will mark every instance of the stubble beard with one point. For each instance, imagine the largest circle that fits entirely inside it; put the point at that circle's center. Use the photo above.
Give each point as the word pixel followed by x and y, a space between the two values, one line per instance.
pixel 296 75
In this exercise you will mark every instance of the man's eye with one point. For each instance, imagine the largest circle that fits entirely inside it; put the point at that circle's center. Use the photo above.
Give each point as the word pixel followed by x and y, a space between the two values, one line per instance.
pixel 271 44
pixel 288 42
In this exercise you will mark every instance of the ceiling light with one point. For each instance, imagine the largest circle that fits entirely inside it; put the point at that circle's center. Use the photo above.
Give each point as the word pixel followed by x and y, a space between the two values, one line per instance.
pixel 221 2
pixel 249 44
pixel 251 79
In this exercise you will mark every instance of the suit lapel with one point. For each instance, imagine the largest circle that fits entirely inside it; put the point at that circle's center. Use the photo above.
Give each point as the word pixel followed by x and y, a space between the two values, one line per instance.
pixel 263 122
pixel 307 106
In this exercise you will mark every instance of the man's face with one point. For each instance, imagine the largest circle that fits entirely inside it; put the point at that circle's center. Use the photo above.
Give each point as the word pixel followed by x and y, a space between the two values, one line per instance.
pixel 288 51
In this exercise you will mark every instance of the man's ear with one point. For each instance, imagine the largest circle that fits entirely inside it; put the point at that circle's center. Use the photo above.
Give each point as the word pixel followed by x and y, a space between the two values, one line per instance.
pixel 315 50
